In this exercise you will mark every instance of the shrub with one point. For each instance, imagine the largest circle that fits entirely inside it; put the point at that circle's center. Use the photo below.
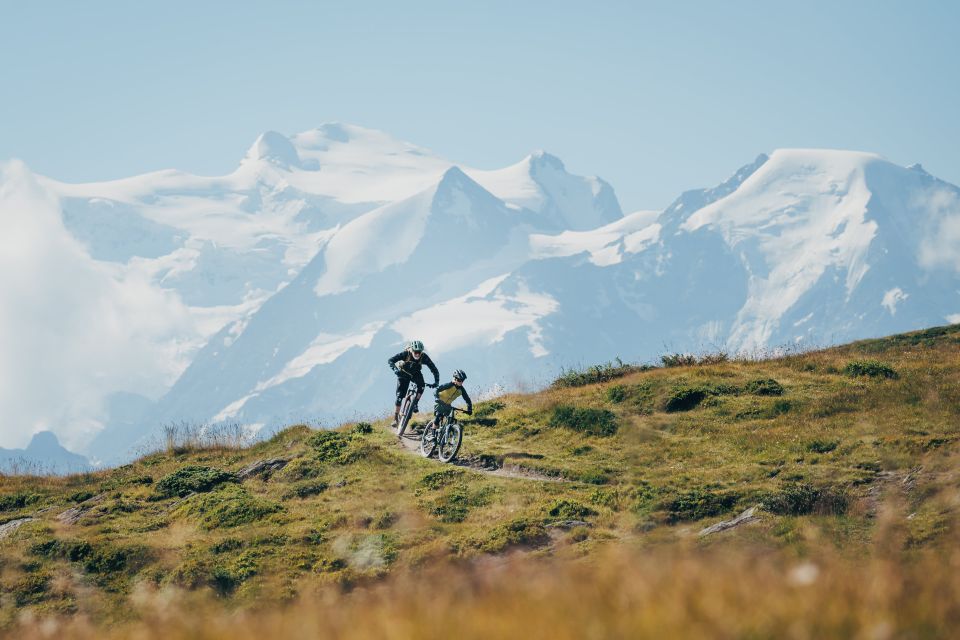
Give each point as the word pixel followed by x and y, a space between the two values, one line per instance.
pixel 617 394
pixel 301 469
pixel 522 531
pixel 596 373
pixel 798 498
pixel 30 589
pixel 486 409
pixel 229 506
pixel 452 507
pixel 688 359
pixel 822 446
pixel 870 369
pixel 594 422
pixel 363 428
pixel 699 503
pixel 594 476
pixel 765 387
pixel 569 510
pixel 685 398
pixel 72 550
pixel 226 545
pixel 15 501
pixel 193 479
pixel 306 489
pixel 81 496
pixel 437 479
pixel 328 445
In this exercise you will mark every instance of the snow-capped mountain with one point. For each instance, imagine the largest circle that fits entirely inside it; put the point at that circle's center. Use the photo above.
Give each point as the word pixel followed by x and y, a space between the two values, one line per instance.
pixel 278 291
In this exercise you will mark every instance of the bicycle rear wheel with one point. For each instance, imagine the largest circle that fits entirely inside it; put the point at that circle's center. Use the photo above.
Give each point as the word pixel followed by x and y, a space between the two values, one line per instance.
pixel 428 439
pixel 450 440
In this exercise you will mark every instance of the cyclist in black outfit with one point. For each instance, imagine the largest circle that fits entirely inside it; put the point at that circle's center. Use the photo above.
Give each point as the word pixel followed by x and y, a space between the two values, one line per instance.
pixel 406 365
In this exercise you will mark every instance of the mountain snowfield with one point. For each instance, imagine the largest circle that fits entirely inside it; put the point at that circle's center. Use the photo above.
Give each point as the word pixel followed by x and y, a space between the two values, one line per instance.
pixel 277 292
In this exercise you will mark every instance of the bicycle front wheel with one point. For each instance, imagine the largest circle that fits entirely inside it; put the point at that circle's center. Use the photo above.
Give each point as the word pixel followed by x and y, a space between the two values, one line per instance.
pixel 450 441
pixel 428 440
pixel 406 410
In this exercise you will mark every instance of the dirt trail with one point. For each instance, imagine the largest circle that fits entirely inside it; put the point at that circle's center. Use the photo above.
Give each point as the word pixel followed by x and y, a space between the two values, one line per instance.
pixel 411 443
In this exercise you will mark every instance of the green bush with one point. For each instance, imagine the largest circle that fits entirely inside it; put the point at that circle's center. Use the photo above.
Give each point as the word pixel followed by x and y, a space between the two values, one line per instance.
pixel 438 479
pixel 301 469
pixel 229 506
pixel 594 422
pixel 193 479
pixel 699 503
pixel 12 502
pixel 688 359
pixel 765 387
pixel 799 498
pixel 81 496
pixel 870 369
pixel 522 531
pixel 486 409
pixel 72 550
pixel 30 589
pixel 684 398
pixel 569 510
pixel 452 507
pixel 596 373
pixel 822 446
pixel 363 428
pixel 226 545
pixel 328 445
pixel 594 476
pixel 617 394
pixel 306 489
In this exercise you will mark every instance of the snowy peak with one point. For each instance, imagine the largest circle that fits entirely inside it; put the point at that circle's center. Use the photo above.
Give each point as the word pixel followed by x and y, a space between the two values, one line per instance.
pixel 446 212
pixel 541 183
pixel 275 148
pixel 540 160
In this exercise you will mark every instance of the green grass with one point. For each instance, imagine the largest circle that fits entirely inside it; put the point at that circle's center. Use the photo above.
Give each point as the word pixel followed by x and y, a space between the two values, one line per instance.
pixel 644 457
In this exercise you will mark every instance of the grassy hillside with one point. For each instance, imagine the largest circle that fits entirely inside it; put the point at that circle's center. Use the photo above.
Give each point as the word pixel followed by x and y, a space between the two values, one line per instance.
pixel 849 454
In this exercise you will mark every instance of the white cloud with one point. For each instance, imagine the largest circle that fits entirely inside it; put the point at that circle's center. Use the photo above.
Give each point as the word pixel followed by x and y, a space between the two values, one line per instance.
pixel 941 247
pixel 72 330
pixel 893 297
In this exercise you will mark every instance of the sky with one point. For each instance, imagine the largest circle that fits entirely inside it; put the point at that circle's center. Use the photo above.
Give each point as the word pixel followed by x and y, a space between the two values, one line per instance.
pixel 654 97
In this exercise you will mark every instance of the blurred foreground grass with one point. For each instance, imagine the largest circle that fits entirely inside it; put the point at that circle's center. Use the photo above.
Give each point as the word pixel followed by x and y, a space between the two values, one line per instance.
pixel 667 594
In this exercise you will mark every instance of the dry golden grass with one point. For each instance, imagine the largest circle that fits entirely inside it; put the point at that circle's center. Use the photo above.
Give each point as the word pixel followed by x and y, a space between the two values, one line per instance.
pixel 678 593
pixel 362 539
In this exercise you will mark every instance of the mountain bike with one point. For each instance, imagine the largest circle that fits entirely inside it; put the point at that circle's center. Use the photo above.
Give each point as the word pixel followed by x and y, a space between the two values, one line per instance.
pixel 445 437
pixel 406 405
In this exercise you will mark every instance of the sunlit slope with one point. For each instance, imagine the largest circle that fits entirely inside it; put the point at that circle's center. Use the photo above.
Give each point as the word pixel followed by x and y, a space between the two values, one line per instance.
pixel 823 444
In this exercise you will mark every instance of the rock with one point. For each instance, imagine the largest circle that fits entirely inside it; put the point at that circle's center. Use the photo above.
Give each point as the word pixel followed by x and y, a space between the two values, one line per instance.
pixel 73 514
pixel 9 527
pixel 568 524
pixel 264 468
pixel 744 518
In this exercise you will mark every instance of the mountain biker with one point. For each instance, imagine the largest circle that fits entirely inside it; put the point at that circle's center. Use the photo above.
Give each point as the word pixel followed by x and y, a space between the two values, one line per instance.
pixel 406 365
pixel 447 393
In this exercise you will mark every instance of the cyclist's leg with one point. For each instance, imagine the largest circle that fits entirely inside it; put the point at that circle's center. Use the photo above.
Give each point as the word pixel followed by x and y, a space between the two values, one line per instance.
pixel 402 384
pixel 418 380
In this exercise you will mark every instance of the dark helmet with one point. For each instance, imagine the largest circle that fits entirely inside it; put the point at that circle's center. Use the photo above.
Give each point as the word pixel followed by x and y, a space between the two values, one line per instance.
pixel 415 345
pixel 459 375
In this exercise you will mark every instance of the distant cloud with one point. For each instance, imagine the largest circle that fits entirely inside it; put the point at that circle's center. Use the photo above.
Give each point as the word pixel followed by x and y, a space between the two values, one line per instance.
pixel 941 247
pixel 71 329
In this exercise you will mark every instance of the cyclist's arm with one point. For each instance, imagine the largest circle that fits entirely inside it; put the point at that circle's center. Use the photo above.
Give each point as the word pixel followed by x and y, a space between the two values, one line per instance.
pixel 433 368
pixel 466 398
pixel 392 362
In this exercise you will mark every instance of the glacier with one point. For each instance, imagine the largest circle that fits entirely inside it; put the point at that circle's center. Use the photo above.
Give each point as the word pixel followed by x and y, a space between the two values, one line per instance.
pixel 275 293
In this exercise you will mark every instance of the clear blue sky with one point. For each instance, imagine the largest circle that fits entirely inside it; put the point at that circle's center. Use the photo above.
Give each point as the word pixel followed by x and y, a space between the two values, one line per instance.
pixel 655 97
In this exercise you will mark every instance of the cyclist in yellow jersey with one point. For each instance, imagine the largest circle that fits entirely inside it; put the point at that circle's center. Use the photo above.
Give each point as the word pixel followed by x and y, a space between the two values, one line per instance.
pixel 447 393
